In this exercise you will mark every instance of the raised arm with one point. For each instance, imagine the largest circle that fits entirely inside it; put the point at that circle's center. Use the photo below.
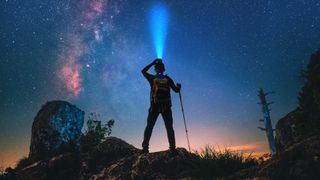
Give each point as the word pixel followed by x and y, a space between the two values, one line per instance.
pixel 145 69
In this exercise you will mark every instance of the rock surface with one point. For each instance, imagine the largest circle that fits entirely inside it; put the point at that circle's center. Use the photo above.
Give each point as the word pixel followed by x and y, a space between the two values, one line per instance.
pixel 295 127
pixel 112 159
pixel 286 131
pixel 299 160
pixel 56 129
pixel 116 159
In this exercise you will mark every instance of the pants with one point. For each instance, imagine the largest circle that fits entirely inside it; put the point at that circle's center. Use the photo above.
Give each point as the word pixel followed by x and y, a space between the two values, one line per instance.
pixel 154 111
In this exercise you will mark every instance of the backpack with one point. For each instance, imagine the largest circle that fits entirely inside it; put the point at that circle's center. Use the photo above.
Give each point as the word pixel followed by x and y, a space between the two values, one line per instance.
pixel 161 90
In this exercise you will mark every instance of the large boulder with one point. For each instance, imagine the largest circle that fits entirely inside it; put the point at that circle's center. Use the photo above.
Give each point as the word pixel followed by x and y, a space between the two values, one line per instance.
pixel 296 126
pixel 288 129
pixel 300 160
pixel 56 129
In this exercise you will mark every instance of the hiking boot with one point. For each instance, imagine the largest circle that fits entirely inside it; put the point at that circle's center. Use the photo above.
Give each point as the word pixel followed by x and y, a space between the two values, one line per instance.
pixel 144 151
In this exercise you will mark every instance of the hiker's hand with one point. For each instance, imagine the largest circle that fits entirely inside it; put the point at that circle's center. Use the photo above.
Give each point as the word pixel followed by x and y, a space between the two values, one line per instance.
pixel 179 86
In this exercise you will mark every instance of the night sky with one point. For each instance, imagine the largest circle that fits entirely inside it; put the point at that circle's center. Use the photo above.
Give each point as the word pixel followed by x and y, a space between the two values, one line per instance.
pixel 91 53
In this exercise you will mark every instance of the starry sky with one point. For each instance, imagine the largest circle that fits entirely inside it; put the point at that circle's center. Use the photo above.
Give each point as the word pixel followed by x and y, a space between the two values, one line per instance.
pixel 91 53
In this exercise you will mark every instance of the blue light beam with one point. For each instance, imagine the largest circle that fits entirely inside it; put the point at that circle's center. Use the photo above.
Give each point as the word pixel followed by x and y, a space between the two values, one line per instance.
pixel 159 26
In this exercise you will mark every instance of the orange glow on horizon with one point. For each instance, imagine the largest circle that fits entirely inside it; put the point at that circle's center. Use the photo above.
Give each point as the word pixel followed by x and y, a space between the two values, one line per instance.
pixel 9 158
pixel 256 149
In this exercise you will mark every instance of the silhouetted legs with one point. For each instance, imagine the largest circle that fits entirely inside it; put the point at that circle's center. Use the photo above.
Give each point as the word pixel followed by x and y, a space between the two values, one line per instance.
pixel 167 117
pixel 152 117
pixel 154 111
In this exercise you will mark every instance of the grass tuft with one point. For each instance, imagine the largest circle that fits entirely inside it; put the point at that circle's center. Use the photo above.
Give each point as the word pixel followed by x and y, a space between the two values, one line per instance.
pixel 222 163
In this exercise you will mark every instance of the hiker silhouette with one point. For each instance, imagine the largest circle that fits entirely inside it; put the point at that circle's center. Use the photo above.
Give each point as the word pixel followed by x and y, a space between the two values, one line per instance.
pixel 160 103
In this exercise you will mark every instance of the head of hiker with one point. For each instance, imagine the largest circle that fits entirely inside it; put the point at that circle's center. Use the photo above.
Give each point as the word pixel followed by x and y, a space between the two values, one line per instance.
pixel 159 66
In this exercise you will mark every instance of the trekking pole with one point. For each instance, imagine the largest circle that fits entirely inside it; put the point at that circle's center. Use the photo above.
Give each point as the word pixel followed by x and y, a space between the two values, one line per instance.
pixel 184 120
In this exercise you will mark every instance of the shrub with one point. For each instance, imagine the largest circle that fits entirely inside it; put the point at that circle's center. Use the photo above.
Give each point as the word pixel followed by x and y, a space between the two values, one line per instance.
pixel 96 132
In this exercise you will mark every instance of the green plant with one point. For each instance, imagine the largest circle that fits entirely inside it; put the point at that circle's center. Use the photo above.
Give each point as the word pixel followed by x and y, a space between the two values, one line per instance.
pixel 96 131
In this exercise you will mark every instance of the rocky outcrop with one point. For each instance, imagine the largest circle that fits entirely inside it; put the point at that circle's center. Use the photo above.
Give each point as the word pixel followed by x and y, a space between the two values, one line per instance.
pixel 56 129
pixel 300 160
pixel 62 166
pixel 112 159
pixel 295 127
pixel 116 159
pixel 288 129
pixel 105 154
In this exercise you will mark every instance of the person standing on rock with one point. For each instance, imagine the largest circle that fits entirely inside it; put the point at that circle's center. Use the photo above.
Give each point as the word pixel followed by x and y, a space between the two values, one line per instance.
pixel 160 103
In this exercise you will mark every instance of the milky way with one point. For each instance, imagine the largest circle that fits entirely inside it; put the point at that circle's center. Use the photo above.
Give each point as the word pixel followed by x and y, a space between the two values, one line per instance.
pixel 88 25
